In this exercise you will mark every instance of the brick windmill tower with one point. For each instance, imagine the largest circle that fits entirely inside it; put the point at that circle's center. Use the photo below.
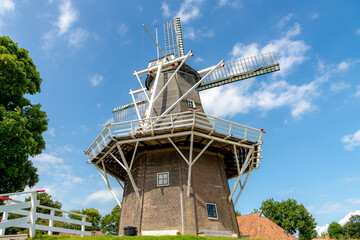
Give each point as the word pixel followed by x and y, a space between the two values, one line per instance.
pixel 174 161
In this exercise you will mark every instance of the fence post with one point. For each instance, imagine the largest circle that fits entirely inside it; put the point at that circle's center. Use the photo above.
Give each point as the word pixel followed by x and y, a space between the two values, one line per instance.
pixel 4 218
pixel 51 221
pixel 83 226
pixel 33 206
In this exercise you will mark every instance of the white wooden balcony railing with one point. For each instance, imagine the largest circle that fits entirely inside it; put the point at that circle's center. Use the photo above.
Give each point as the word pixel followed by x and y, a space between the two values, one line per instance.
pixel 157 125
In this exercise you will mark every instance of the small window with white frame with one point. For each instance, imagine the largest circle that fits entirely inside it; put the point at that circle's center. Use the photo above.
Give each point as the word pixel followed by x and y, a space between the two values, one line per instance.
pixel 191 103
pixel 211 211
pixel 163 179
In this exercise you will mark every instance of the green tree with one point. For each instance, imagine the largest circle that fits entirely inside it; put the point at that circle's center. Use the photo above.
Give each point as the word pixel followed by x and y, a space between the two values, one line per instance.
pixel 110 222
pixel 352 227
pixel 291 216
pixel 21 122
pixel 237 213
pixel 46 200
pixel 335 230
pixel 95 218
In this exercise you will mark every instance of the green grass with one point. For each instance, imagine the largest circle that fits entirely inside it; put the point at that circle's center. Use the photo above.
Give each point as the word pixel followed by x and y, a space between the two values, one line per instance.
pixel 111 237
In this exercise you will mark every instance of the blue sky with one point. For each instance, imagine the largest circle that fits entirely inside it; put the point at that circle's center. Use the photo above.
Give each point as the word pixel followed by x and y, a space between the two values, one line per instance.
pixel 86 52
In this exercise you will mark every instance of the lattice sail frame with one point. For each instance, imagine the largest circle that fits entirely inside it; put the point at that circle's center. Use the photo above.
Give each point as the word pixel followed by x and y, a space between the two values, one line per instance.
pixel 232 71
pixel 173 38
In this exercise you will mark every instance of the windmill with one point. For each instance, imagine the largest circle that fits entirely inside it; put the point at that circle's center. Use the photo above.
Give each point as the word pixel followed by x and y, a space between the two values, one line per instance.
pixel 174 161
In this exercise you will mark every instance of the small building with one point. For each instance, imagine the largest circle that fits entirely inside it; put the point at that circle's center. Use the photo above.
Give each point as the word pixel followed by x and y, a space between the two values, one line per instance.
pixel 258 226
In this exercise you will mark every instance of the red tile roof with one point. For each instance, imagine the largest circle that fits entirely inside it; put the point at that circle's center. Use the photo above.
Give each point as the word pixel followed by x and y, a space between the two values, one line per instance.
pixel 262 228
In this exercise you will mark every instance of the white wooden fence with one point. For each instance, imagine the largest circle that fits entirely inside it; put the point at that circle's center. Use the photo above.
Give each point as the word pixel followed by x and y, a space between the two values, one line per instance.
pixel 29 217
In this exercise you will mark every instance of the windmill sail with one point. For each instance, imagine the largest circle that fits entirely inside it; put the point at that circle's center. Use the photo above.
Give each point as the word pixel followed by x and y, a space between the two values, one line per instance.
pixel 241 69
pixel 233 71
pixel 173 38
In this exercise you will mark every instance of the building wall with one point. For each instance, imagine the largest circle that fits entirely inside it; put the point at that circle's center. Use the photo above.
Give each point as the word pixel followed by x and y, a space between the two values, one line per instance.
pixel 181 83
pixel 160 207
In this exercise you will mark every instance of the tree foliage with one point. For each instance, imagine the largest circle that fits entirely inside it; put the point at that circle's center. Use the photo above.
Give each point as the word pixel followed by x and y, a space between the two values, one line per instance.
pixel 352 227
pixel 46 200
pixel 291 216
pixel 110 222
pixel 95 218
pixel 21 122
pixel 335 230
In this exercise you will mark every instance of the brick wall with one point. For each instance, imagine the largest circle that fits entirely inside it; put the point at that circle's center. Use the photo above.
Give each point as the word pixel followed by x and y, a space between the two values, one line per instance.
pixel 160 207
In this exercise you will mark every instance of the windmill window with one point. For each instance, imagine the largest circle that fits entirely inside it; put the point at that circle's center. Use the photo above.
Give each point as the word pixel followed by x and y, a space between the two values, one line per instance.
pixel 191 103
pixel 211 210
pixel 163 179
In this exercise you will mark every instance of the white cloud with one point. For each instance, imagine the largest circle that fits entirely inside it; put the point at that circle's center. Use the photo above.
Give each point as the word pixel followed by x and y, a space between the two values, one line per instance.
pixel 289 52
pixel 358 31
pixel 241 51
pixel 238 98
pixel 294 31
pixel 353 201
pixel 64 149
pixel 285 192
pixel 62 28
pixel 330 207
pixel 166 9
pixel 352 140
pixel 357 93
pixel 349 179
pixel 234 4
pixel 102 196
pixel 198 34
pixel 342 222
pixel 68 15
pixel 45 162
pixel 222 3
pixel 189 10
pixel 285 20
pixel 98 105
pixel 314 16
pixel 344 65
pixel 110 120
pixel 310 208
pixel 122 29
pixel 6 6
pixel 78 37
pixel 321 229
pixel 139 8
pixel 337 87
pixel 96 80
pixel 348 216
pixel 199 59
pixel 51 132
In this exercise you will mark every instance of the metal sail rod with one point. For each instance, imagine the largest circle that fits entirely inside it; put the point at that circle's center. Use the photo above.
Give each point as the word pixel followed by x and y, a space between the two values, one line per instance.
pixel 173 75
pixel 142 87
pixel 154 40
pixel 135 105
pixel 153 91
pixel 157 41
pixel 167 63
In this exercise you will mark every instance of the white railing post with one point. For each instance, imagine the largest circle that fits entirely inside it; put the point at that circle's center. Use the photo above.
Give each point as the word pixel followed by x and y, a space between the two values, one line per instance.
pixel 51 221
pixel 33 203
pixel 83 226
pixel 4 218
